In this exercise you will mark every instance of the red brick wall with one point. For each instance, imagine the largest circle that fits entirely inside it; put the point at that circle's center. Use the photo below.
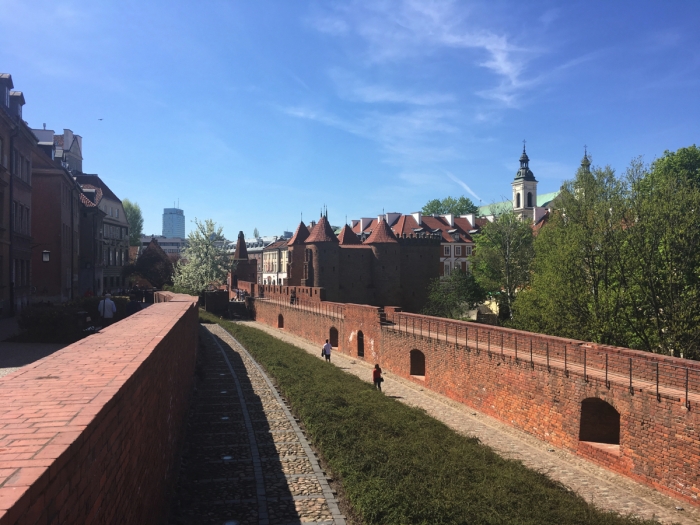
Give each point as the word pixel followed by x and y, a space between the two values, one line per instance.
pixel 91 433
pixel 659 436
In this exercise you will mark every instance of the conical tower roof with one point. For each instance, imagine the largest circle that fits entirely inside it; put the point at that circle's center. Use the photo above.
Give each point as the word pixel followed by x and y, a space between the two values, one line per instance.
pixel 300 235
pixel 347 236
pixel 241 253
pixel 381 234
pixel 322 232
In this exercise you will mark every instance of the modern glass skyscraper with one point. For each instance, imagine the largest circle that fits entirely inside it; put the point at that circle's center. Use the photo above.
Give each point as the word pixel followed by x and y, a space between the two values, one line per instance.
pixel 173 223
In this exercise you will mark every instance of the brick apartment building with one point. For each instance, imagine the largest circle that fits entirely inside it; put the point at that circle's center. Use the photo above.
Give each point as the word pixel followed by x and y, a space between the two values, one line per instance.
pixel 91 258
pixel 55 225
pixel 115 232
pixel 7 131
pixel 17 196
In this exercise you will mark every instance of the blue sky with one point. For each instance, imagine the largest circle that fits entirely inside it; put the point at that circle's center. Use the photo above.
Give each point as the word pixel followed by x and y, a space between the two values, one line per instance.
pixel 252 113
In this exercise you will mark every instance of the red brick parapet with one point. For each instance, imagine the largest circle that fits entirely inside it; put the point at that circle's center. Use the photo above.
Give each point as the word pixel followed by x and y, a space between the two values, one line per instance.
pixel 91 433
pixel 533 382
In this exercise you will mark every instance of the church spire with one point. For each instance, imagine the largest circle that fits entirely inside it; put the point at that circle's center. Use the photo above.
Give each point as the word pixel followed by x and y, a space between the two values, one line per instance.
pixel 524 173
pixel 585 161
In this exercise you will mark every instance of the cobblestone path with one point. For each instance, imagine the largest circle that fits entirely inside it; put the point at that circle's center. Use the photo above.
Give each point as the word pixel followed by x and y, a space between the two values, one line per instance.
pixel 595 484
pixel 245 459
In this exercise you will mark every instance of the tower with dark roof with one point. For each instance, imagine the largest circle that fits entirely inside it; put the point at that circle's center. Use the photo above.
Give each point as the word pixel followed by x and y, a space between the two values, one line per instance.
pixel 524 189
pixel 322 259
pixel 244 268
pixel 296 253
pixel 386 272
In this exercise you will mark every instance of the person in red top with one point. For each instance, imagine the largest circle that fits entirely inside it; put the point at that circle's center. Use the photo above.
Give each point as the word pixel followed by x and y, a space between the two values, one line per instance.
pixel 377 377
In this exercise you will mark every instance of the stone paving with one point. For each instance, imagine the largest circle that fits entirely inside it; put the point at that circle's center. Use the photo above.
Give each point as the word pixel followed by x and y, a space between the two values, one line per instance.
pixel 245 460
pixel 595 484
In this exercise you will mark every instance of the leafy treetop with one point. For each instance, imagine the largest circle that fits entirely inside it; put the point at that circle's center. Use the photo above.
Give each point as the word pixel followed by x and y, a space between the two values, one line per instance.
pixel 461 206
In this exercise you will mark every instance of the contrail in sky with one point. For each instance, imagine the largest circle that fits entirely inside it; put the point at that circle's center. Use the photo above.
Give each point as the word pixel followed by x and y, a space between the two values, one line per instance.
pixel 467 188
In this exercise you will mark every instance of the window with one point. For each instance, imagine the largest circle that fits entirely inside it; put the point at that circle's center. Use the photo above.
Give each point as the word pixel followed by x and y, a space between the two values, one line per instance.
pixel 529 199
pixel 517 201
pixel 458 251
pixel 467 250
pixel 446 251
pixel 447 268
pixel 28 168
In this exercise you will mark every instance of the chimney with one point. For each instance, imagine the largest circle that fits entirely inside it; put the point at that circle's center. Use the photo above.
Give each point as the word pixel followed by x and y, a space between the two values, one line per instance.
pixel 470 217
pixel 450 218
pixel 67 139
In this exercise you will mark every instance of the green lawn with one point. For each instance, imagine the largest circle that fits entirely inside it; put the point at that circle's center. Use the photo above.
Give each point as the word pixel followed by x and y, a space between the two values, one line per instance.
pixel 397 464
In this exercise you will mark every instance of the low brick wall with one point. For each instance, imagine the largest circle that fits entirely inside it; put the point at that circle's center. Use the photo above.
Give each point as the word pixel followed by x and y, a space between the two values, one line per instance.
pixel 91 434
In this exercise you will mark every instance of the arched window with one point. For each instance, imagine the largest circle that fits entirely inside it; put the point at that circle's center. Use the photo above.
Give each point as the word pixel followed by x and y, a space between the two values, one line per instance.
pixel 333 337
pixel 517 200
pixel 360 344
pixel 600 422
pixel 280 321
pixel 529 199
pixel 417 363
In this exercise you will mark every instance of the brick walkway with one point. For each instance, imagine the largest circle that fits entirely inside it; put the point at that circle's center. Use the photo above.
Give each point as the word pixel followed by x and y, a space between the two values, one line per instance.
pixel 595 484
pixel 246 461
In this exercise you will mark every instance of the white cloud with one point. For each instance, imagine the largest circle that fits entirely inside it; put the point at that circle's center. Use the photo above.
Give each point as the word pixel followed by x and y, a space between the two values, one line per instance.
pixel 400 30
pixel 463 185
pixel 352 88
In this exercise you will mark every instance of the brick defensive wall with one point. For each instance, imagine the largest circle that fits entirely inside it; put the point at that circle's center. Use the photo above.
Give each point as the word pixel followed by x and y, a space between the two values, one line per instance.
pixel 633 412
pixel 91 433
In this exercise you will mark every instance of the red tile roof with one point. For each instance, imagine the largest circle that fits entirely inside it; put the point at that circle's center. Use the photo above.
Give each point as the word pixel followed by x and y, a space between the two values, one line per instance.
pixel 86 200
pixel 405 224
pixel 348 237
pixel 275 245
pixel 381 234
pixel 322 232
pixel 300 235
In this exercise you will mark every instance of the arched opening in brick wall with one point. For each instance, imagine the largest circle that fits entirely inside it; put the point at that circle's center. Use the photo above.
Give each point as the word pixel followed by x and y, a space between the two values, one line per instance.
pixel 417 363
pixel 280 321
pixel 360 344
pixel 600 422
pixel 333 337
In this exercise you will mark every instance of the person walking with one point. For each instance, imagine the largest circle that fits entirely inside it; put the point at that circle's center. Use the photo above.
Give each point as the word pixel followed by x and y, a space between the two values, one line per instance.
pixel 107 309
pixel 377 377
pixel 326 351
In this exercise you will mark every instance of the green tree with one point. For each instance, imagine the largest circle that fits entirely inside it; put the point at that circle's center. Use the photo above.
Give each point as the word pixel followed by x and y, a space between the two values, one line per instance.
pixel 576 283
pixel 153 264
pixel 451 296
pixel 256 233
pixel 503 255
pixel 461 206
pixel 204 261
pixel 661 270
pixel 135 220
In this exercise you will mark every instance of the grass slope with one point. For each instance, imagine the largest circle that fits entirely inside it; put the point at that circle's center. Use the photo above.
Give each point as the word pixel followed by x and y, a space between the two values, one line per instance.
pixel 397 464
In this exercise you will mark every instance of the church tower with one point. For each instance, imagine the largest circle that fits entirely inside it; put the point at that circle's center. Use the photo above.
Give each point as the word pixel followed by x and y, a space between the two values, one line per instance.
pixel 524 189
